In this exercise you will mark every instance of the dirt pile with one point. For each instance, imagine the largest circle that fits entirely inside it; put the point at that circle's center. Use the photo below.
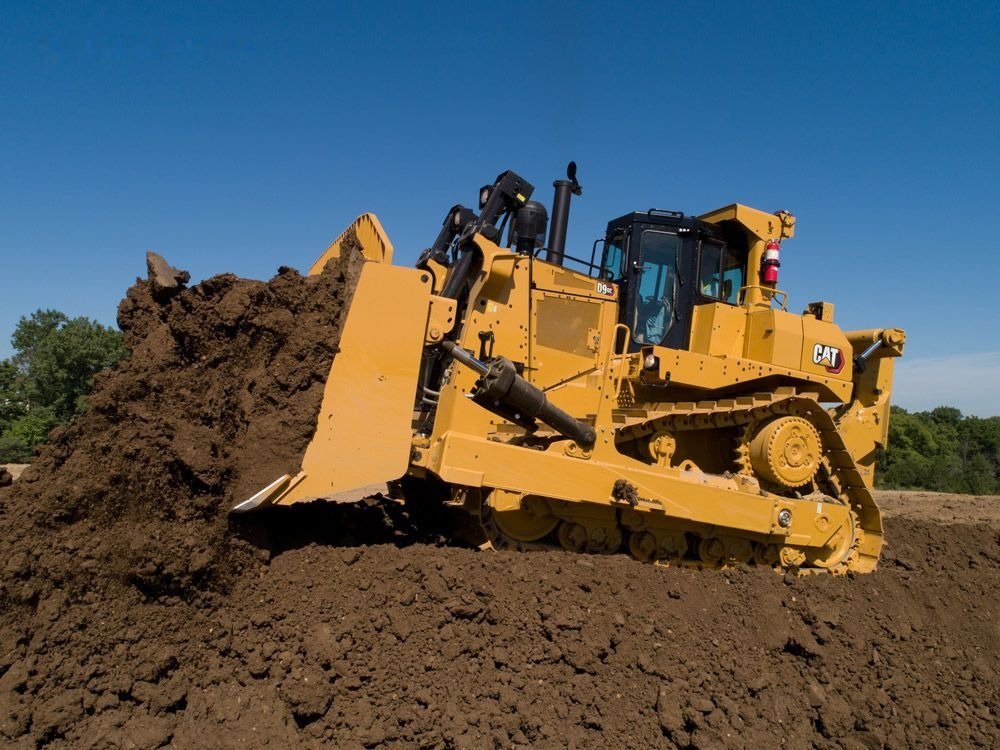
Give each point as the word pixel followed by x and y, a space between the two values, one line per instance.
pixel 133 614
pixel 384 646
pixel 218 398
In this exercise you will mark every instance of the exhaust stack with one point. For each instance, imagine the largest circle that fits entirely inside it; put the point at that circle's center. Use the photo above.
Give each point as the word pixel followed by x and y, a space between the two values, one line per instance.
pixel 564 189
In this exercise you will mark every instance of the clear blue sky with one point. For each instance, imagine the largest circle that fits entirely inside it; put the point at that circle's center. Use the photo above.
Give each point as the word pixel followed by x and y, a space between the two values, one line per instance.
pixel 240 137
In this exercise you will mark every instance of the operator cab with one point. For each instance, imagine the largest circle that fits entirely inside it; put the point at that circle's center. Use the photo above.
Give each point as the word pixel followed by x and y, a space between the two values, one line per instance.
pixel 664 264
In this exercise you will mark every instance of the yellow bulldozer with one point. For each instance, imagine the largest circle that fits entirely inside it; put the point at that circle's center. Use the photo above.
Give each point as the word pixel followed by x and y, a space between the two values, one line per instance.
pixel 658 397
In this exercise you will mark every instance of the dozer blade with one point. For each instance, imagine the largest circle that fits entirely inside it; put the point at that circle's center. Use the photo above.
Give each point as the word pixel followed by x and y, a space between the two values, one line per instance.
pixel 363 431
pixel 367 231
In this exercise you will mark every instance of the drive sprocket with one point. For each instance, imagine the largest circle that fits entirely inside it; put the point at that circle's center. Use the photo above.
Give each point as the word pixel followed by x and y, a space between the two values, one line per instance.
pixel 786 451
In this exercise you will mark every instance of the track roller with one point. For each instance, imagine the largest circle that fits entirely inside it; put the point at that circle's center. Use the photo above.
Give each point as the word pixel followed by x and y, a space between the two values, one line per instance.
pixel 711 551
pixel 738 551
pixel 589 537
pixel 642 545
pixel 673 546
pixel 572 536
pixel 728 551
pixel 768 555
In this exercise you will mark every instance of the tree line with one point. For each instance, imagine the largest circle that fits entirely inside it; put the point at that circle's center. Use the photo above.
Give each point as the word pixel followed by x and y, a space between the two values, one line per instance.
pixel 941 450
pixel 45 382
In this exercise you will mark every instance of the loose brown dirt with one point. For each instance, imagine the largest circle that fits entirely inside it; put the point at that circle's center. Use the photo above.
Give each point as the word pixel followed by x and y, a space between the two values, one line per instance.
pixel 134 613
pixel 940 507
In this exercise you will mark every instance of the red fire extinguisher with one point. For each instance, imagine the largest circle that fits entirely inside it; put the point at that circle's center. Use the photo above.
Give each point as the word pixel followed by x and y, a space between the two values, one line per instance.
pixel 770 263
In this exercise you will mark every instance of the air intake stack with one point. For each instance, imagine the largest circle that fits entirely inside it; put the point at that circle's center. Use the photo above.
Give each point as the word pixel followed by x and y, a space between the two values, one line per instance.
pixel 565 189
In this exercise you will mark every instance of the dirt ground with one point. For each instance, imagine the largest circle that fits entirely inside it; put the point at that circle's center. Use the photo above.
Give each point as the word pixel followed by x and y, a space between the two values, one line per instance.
pixel 134 613
pixel 939 507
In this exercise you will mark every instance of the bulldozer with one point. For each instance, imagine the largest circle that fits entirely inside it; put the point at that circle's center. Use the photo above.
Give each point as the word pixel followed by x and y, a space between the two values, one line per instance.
pixel 657 397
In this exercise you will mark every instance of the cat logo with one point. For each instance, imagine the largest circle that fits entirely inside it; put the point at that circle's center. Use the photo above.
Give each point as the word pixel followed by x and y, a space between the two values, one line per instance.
pixel 606 289
pixel 829 357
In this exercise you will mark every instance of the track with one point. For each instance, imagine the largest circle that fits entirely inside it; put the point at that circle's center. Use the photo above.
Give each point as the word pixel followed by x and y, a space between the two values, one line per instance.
pixel 729 422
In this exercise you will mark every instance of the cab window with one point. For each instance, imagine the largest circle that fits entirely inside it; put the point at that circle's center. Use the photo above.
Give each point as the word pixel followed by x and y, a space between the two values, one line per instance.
pixel 614 253
pixel 721 273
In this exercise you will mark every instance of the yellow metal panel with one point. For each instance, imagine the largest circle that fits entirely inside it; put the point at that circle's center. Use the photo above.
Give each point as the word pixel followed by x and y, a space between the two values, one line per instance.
pixel 775 337
pixel 566 279
pixel 363 432
pixel 718 330
pixel 499 272
pixel 374 243
pixel 499 304
pixel 567 335
pixel 553 278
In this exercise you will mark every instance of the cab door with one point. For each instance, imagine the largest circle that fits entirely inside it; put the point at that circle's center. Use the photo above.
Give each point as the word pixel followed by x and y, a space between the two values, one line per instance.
pixel 656 311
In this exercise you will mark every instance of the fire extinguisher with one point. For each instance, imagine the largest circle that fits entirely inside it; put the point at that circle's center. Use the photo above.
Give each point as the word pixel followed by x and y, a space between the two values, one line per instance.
pixel 770 263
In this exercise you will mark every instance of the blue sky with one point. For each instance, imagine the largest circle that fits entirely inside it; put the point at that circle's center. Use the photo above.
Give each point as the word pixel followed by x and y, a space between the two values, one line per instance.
pixel 240 137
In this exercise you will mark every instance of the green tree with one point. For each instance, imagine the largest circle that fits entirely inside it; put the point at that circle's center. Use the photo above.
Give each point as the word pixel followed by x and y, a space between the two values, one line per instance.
pixel 12 400
pixel 63 362
pixel 914 452
pixel 52 370
pixel 18 441
pixel 978 452
pixel 941 450
pixel 32 331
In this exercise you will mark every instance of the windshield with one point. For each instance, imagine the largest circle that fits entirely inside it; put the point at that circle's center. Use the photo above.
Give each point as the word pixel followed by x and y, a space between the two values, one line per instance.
pixel 653 314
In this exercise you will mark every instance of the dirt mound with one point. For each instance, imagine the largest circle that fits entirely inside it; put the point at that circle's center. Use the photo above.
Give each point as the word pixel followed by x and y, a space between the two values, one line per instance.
pixel 134 614
pixel 372 646
pixel 218 398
